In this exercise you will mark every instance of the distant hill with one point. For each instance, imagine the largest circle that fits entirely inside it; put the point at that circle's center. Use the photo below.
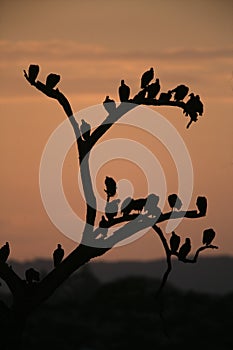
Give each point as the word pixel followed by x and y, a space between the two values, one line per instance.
pixel 209 275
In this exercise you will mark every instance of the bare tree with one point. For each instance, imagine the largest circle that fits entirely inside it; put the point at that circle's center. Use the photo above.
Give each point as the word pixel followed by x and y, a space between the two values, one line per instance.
pixel 135 216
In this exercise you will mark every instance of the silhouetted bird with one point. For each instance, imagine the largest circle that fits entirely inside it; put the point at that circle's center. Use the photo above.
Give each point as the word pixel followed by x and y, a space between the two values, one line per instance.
pixel 193 107
pixel 199 105
pixel 4 252
pixel 110 184
pixel 174 242
pixel 151 205
pixel 147 77
pixel 208 236
pixel 52 80
pixel 124 92
pixel 201 204
pixel 138 204
pixel 153 89
pixel 111 209
pixel 126 206
pixel 165 96
pixel 58 255
pixel 180 92
pixel 184 249
pixel 33 72
pixel 174 201
pixel 139 98
pixel 85 129
pixel 32 275
pixel 109 105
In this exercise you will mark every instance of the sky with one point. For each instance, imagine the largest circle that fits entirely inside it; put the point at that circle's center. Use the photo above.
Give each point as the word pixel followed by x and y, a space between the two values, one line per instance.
pixel 93 45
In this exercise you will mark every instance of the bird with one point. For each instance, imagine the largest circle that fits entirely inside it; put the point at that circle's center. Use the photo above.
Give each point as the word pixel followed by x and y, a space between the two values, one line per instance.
pixel 153 89
pixel 109 105
pixel 201 203
pixel 111 209
pixel 58 255
pixel 111 187
pixel 165 96
pixel 126 206
pixel 174 201
pixel 138 204
pixel 32 275
pixel 208 236
pixel 124 92
pixel 174 242
pixel 85 129
pixel 184 249
pixel 147 77
pixel 33 72
pixel 151 205
pixel 199 105
pixel 52 80
pixel 180 92
pixel 4 252
pixel 139 98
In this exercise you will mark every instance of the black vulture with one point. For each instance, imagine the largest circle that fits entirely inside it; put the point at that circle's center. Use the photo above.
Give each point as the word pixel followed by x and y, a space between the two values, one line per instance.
pixel 109 105
pixel 124 92
pixel 111 209
pixel 174 201
pixel 193 107
pixel 4 252
pixel 52 80
pixel 33 72
pixel 201 203
pixel 153 89
pixel 58 255
pixel 139 98
pixel 165 96
pixel 147 77
pixel 184 249
pixel 126 206
pixel 180 92
pixel 174 242
pixel 32 275
pixel 208 236
pixel 199 108
pixel 85 129
pixel 111 187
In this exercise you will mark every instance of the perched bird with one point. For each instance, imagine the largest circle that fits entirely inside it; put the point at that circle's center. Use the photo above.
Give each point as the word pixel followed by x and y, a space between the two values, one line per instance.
pixel 32 275
pixel 139 98
pixel 109 105
pixel 184 249
pixel 4 252
pixel 208 236
pixel 174 242
pixel 165 96
pixel 33 72
pixel 85 129
pixel 174 201
pixel 58 255
pixel 147 77
pixel 52 80
pixel 199 105
pixel 111 209
pixel 124 92
pixel 138 204
pixel 126 206
pixel 153 89
pixel 180 92
pixel 151 205
pixel 111 187
pixel 201 204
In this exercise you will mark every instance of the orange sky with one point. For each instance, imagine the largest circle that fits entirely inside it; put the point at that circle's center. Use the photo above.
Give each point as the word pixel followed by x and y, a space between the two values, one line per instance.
pixel 93 45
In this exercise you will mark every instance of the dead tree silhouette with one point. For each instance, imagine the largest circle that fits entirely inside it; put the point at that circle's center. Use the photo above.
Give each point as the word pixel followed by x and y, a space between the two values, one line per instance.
pixel 25 298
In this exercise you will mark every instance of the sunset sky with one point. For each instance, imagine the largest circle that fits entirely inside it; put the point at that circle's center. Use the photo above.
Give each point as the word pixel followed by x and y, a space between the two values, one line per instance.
pixel 93 45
